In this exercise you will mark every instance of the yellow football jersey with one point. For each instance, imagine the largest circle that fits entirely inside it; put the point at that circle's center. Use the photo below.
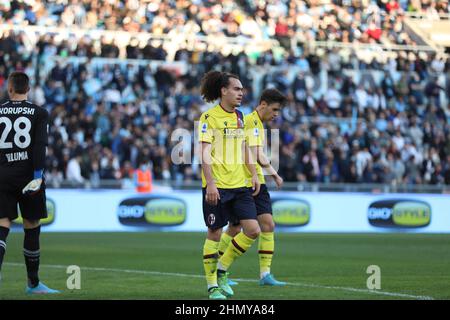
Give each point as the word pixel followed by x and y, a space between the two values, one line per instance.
pixel 254 135
pixel 225 131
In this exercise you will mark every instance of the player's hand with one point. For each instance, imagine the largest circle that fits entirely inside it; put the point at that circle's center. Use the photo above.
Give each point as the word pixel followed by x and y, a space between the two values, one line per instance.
pixel 212 194
pixel 278 180
pixel 32 187
pixel 256 185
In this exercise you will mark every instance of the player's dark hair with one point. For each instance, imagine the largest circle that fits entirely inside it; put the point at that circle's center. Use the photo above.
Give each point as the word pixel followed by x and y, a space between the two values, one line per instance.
pixel 212 84
pixel 20 82
pixel 273 96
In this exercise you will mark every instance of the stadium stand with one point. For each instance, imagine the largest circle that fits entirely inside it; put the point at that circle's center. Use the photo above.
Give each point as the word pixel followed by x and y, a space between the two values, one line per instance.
pixel 113 103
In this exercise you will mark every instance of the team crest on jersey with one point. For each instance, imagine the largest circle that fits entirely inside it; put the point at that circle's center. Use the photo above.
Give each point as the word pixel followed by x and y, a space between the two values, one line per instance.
pixel 211 219
pixel 204 127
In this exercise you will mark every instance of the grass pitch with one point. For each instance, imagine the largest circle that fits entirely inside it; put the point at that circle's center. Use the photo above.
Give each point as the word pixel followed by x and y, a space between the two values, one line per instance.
pixel 169 266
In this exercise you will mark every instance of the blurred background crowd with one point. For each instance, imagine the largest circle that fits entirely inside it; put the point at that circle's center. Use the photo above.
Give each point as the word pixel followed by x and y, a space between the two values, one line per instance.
pixel 109 117
pixel 340 20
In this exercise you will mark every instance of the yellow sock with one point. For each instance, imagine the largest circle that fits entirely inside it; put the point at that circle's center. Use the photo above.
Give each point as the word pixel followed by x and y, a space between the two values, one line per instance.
pixel 266 247
pixel 210 262
pixel 225 240
pixel 239 244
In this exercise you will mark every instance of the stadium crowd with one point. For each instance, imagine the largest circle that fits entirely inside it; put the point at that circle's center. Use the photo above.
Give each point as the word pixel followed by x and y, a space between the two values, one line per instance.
pixel 337 20
pixel 108 119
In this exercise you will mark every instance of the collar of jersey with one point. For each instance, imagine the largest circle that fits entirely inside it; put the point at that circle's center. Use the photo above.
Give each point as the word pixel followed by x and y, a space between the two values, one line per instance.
pixel 257 115
pixel 230 112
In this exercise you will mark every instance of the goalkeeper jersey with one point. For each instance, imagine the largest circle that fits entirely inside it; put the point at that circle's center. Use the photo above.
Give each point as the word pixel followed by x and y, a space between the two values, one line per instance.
pixel 23 141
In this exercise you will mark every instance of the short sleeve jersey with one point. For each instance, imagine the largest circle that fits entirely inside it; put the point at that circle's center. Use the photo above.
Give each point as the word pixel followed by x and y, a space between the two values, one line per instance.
pixel 225 131
pixel 254 135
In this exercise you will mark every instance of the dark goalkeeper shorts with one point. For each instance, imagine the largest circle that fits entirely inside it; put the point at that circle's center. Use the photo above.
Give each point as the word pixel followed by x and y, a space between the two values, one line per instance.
pixel 32 207
pixel 234 204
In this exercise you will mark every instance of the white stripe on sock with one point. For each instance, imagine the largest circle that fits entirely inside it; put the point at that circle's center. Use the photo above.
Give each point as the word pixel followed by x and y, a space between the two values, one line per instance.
pixel 32 254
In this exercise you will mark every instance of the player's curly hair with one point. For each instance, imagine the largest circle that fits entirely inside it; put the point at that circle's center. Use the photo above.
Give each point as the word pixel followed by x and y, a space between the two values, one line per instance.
pixel 213 82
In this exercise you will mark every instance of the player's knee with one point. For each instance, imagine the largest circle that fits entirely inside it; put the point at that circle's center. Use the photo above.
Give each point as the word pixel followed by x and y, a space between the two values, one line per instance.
pixel 30 224
pixel 268 226
pixel 266 222
pixel 253 232
pixel 214 235
pixel 234 229
pixel 6 223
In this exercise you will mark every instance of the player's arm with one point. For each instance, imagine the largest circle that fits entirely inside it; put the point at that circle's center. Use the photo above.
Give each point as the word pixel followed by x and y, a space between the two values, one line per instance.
pixel 212 193
pixel 264 162
pixel 250 163
pixel 206 137
pixel 40 141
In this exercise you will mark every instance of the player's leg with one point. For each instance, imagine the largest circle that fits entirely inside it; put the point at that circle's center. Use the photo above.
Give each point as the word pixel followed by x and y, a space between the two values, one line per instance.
pixel 31 250
pixel 232 230
pixel 244 210
pixel 234 227
pixel 214 222
pixel 266 243
pixel 5 225
pixel 266 246
pixel 8 212
pixel 33 208
pixel 210 257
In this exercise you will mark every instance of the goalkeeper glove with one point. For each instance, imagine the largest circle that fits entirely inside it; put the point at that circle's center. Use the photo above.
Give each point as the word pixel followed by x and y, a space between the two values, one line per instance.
pixel 34 185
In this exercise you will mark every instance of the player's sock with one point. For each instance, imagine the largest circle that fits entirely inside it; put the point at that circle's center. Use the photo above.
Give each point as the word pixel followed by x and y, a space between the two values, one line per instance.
pixel 32 254
pixel 225 240
pixel 3 235
pixel 210 262
pixel 266 247
pixel 239 244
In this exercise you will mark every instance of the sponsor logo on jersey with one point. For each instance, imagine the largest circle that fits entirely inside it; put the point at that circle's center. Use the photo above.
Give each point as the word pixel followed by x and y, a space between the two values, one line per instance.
pixel 233 133
pixel 17 156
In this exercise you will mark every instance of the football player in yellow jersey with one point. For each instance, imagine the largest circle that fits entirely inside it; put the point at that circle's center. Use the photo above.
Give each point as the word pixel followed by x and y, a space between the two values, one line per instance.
pixel 268 109
pixel 226 194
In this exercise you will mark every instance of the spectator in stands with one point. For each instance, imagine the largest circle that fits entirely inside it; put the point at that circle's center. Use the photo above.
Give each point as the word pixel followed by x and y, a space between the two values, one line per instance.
pixel 73 171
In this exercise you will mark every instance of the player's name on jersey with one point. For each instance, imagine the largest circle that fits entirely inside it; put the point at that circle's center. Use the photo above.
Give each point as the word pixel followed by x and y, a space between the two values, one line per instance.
pixel 17 156
pixel 17 110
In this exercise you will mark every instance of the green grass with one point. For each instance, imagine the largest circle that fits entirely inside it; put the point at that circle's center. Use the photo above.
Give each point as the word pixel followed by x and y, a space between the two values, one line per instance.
pixel 413 264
